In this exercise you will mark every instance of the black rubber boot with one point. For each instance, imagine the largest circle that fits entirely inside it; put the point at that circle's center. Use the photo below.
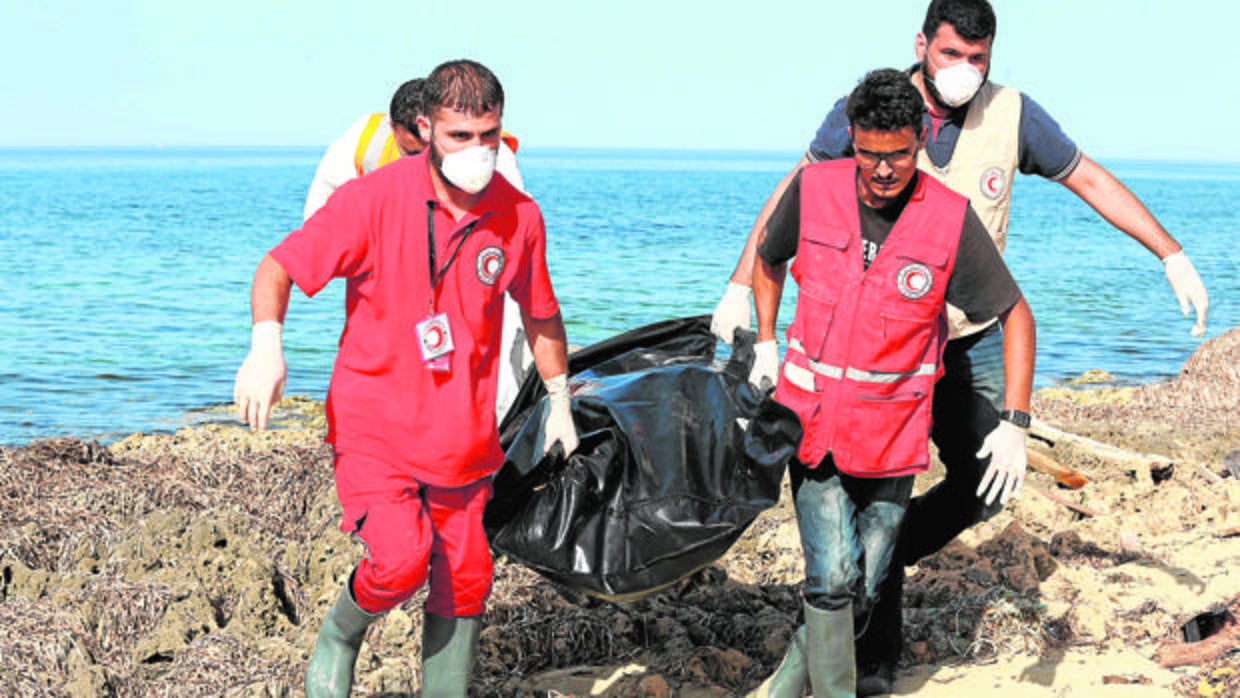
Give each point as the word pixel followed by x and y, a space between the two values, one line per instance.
pixel 880 638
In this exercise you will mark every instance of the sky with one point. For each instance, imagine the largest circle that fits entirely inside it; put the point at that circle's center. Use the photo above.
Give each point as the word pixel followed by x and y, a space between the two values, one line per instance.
pixel 1131 79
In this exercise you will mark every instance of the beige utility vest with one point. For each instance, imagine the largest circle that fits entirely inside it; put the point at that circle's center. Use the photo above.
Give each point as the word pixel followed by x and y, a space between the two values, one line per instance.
pixel 983 167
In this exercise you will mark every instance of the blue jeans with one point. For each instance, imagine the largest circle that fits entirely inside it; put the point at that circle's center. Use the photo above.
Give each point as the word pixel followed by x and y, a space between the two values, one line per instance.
pixel 848 532
pixel 967 401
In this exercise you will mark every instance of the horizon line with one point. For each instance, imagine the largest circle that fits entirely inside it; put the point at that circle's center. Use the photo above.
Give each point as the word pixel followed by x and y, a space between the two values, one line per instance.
pixel 543 148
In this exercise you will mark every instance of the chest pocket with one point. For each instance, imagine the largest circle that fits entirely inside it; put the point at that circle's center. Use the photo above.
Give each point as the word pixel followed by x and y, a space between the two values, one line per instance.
pixel 822 266
pixel 907 319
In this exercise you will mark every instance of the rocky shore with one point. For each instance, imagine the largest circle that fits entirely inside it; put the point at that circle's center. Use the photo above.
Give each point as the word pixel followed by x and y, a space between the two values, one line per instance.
pixel 201 564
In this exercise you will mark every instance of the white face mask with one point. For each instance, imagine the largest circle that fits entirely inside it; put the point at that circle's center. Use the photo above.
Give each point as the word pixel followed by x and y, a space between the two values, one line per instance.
pixel 958 83
pixel 469 169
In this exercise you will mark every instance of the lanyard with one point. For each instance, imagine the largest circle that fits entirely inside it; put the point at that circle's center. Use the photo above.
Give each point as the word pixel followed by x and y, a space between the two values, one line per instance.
pixel 436 275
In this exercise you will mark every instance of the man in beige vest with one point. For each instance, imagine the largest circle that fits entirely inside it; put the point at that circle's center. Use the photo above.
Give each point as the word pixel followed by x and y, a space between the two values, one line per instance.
pixel 980 136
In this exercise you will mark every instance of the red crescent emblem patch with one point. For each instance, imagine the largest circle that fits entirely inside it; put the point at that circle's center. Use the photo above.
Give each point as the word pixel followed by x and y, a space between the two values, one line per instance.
pixel 490 265
pixel 993 182
pixel 914 280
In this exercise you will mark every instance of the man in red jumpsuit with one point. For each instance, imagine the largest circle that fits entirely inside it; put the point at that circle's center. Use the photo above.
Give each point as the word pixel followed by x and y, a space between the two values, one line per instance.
pixel 428 246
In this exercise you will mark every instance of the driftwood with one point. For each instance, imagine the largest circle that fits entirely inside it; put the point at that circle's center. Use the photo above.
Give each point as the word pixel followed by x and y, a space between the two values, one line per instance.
pixel 1064 475
pixel 1074 506
pixel 1115 454
pixel 1231 532
pixel 1202 652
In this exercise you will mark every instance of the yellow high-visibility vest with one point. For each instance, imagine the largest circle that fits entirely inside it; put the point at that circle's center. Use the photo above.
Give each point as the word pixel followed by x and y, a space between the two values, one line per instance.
pixel 377 145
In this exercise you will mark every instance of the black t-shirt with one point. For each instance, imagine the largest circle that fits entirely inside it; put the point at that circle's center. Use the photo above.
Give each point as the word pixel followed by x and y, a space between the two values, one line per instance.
pixel 980 284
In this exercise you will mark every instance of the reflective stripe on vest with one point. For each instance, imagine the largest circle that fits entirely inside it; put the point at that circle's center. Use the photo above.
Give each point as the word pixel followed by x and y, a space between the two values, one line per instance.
pixel 865 346
pixel 376 146
pixel 855 374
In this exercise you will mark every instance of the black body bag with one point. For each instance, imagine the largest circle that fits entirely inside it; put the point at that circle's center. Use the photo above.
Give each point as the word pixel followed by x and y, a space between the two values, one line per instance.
pixel 678 455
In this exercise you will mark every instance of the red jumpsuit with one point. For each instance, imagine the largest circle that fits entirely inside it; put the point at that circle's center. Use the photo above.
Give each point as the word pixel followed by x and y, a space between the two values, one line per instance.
pixel 415 447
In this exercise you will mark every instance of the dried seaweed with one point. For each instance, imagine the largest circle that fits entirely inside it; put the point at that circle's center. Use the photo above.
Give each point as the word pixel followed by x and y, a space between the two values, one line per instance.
pixel 201 564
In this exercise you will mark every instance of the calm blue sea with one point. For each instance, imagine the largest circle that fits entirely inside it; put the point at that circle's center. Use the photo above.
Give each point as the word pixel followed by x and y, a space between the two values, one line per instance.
pixel 124 297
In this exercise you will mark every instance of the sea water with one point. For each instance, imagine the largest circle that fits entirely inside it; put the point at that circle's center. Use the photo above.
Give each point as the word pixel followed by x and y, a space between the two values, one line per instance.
pixel 124 297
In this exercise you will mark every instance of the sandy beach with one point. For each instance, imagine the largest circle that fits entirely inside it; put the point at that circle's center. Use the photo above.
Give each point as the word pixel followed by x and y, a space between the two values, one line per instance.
pixel 201 564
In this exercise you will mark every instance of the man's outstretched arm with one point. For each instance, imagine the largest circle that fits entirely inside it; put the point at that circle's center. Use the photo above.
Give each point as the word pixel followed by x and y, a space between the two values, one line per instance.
pixel 1096 186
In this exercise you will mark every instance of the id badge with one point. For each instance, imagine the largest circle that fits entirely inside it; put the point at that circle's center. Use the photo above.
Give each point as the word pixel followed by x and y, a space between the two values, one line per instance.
pixel 435 339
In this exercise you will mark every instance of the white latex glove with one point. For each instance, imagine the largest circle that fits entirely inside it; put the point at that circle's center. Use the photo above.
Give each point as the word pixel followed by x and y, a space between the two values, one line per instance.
pixel 765 371
pixel 1006 448
pixel 260 380
pixel 732 313
pixel 559 423
pixel 1188 289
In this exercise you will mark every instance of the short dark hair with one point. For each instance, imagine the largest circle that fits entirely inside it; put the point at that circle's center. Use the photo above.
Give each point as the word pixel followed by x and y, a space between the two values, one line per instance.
pixel 407 104
pixel 885 100
pixel 464 85
pixel 973 20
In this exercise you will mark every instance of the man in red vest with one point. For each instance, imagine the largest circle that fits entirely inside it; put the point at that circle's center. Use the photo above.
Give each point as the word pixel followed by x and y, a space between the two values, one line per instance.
pixel 879 250
pixel 982 136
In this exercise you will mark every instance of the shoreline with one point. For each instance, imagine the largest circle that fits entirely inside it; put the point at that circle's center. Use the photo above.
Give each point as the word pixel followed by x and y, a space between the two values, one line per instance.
pixel 1092 385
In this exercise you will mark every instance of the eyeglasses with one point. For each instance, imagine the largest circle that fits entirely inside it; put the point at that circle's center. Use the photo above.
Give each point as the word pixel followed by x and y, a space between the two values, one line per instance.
pixel 895 159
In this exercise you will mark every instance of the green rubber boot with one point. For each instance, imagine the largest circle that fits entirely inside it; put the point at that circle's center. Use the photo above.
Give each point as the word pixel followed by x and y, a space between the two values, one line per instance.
pixel 449 647
pixel 330 673
pixel 829 647
pixel 791 677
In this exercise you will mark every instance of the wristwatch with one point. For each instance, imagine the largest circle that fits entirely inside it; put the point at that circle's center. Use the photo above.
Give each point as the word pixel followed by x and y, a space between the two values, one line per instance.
pixel 1017 417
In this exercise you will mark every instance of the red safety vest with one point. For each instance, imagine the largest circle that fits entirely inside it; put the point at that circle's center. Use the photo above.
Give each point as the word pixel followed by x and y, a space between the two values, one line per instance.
pixel 866 345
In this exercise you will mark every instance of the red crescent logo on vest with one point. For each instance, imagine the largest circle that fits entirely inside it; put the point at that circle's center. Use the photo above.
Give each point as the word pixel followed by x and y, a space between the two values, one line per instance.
pixel 490 265
pixel 993 182
pixel 914 280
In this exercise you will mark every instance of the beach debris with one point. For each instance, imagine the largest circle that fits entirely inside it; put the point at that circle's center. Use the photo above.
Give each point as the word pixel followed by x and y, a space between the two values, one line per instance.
pixel 1058 499
pixel 1160 473
pixel 1093 376
pixel 1204 625
pixel 1231 464
pixel 1214 684
pixel 1064 475
pixel 1130 544
pixel 1210 475
pixel 1161 467
pixel 1126 679
pixel 1216 633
